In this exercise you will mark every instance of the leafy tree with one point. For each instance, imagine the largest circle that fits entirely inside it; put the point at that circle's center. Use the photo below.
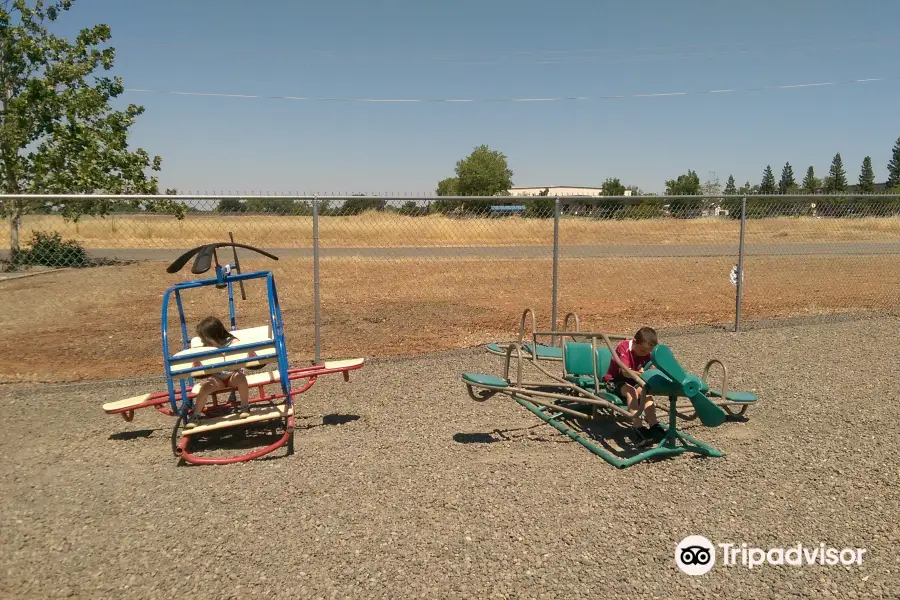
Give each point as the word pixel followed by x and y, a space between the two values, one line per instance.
pixel 448 187
pixel 58 132
pixel 687 184
pixel 893 181
pixel 867 177
pixel 729 186
pixel 768 181
pixel 410 208
pixel 811 183
pixel 360 204
pixel 613 187
pixel 837 177
pixel 484 172
pixel 231 205
pixel 787 184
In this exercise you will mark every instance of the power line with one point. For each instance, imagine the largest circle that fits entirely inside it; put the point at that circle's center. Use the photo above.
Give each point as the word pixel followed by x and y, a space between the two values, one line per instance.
pixel 538 99
pixel 541 56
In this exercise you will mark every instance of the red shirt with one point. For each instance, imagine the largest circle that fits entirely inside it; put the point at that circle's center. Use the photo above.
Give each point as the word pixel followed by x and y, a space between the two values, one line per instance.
pixel 623 351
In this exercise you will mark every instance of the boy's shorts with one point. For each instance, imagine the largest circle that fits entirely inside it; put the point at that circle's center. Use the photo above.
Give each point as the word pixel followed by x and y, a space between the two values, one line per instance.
pixel 614 386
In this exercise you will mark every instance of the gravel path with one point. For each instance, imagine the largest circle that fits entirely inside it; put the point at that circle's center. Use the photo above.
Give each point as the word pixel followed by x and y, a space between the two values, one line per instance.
pixel 420 497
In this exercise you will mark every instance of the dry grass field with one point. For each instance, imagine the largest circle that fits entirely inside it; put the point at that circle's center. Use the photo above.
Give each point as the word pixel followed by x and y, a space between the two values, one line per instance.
pixel 375 229
pixel 105 322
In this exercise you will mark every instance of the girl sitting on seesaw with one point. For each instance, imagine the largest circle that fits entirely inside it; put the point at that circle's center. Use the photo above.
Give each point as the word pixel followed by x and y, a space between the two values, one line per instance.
pixel 213 333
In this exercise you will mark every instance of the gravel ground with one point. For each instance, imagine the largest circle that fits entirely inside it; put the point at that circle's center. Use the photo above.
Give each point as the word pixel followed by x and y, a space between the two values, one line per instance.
pixel 401 486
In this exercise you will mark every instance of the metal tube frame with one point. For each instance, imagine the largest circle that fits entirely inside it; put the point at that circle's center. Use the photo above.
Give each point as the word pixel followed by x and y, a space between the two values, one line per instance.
pixel 317 315
pixel 740 268
pixel 555 264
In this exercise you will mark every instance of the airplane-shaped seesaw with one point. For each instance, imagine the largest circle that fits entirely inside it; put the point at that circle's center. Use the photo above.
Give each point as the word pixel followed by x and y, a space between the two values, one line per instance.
pixel 255 348
pixel 579 393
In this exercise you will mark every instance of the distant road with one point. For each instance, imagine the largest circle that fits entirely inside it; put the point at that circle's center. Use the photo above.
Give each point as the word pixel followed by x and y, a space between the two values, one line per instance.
pixel 595 251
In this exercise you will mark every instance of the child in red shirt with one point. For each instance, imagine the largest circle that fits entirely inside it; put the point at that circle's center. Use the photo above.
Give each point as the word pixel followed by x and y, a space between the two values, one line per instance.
pixel 635 354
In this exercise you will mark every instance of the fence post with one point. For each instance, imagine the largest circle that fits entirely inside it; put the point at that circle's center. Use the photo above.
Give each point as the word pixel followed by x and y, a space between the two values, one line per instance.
pixel 740 267
pixel 317 316
pixel 555 265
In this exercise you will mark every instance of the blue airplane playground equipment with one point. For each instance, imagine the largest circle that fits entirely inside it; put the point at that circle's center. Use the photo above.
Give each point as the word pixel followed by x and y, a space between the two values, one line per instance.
pixel 254 348
pixel 580 393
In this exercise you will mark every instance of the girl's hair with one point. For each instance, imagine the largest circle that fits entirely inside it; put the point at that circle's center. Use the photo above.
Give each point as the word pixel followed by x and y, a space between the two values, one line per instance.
pixel 213 333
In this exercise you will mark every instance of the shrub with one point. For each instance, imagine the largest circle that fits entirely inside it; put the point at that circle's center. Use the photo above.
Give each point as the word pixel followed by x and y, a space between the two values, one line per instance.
pixel 49 250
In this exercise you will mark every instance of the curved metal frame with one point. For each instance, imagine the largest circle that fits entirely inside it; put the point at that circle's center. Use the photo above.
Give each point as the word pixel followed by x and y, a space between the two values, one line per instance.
pixel 277 327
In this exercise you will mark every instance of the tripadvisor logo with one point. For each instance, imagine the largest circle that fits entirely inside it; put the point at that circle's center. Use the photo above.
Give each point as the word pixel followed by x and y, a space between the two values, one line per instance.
pixel 696 555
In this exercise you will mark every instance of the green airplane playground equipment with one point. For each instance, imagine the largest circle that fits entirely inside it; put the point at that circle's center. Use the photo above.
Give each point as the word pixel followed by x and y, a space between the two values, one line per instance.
pixel 580 393
pixel 535 349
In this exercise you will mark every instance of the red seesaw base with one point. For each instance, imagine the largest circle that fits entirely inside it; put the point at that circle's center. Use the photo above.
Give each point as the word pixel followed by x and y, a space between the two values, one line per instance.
pixel 182 452
pixel 160 400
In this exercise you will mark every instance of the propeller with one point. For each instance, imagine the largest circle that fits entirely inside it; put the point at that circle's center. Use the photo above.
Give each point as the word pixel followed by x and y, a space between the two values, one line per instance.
pixel 205 254
pixel 710 414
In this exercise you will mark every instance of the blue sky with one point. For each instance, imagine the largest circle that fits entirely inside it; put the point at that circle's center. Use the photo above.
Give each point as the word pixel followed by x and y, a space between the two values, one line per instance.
pixel 500 49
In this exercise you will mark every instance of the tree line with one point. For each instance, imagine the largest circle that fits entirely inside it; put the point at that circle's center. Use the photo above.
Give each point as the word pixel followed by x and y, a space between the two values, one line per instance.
pixel 486 172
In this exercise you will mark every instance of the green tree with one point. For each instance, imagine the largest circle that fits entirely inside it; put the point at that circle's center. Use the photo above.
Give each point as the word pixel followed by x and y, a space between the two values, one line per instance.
pixel 767 186
pixel 867 177
pixel 687 184
pixel 811 183
pixel 730 190
pixel 58 132
pixel 231 205
pixel 836 181
pixel 484 172
pixel 613 187
pixel 448 187
pixel 786 184
pixel 893 181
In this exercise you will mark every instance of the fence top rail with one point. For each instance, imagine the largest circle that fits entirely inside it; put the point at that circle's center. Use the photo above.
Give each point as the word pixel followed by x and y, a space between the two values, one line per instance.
pixel 495 200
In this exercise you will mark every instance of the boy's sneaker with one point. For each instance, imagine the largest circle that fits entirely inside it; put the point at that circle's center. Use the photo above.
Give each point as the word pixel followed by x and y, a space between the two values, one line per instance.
pixel 193 422
pixel 657 433
pixel 241 411
pixel 642 436
pixel 650 435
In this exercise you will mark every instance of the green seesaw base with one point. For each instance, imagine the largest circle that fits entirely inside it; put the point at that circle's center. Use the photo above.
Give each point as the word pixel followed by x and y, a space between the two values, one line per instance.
pixel 673 444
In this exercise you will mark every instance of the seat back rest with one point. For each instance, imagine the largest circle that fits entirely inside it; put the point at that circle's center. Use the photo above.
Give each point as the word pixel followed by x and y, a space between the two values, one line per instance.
pixel 604 360
pixel 579 359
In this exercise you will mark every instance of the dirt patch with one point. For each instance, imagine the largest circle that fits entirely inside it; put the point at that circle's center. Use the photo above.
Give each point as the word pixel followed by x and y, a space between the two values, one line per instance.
pixel 105 322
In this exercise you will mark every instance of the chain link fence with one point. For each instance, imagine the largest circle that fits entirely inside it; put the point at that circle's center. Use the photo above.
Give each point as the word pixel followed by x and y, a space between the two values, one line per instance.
pixel 400 276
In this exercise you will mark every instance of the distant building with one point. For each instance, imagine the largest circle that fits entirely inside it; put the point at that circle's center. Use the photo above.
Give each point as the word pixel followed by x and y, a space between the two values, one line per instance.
pixel 559 190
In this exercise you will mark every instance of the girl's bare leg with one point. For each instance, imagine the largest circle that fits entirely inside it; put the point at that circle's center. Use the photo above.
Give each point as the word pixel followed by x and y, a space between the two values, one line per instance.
pixel 208 387
pixel 240 381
